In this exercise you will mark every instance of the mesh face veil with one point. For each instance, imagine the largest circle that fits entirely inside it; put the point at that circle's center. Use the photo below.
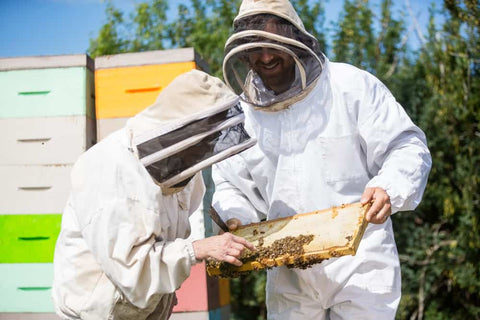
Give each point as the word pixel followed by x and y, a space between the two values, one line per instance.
pixel 195 122
pixel 270 62
pixel 176 155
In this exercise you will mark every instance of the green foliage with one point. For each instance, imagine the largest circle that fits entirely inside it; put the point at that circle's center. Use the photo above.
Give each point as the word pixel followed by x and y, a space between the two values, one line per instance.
pixel 313 18
pixel 116 36
pixel 390 46
pixel 443 267
pixel 150 26
pixel 439 86
pixel 205 25
pixel 353 40
pixel 248 296
pixel 109 40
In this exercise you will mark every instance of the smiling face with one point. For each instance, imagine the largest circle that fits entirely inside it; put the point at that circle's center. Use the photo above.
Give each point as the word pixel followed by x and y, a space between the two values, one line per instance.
pixel 275 67
pixel 271 61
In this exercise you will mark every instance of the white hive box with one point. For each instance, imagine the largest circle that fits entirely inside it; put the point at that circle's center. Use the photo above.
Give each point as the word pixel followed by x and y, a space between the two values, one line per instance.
pixel 40 189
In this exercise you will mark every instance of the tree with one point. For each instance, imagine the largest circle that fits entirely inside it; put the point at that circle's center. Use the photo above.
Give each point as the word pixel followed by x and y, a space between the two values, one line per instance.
pixel 204 25
pixel 354 42
pixel 439 243
pixel 441 273
pixel 390 47
pixel 116 36
pixel 109 40
pixel 150 25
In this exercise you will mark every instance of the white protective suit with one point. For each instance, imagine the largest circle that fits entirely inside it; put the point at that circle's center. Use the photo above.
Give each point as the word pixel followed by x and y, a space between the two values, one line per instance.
pixel 122 250
pixel 348 133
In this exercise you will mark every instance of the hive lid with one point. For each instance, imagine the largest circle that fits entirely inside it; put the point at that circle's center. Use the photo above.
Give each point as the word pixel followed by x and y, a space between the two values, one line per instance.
pixel 47 61
pixel 298 241
pixel 154 57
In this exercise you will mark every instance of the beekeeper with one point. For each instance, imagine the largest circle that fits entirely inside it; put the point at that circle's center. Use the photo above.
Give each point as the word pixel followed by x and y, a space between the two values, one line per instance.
pixel 328 134
pixel 122 250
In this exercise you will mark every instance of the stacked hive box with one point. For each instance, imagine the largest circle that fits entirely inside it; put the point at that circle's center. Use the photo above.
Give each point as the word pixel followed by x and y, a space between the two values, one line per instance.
pixel 128 83
pixel 125 84
pixel 46 122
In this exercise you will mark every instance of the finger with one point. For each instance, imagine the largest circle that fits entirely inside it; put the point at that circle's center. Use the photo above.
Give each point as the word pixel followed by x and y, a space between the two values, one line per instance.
pixel 233 242
pixel 238 246
pixel 373 211
pixel 383 214
pixel 380 200
pixel 386 209
pixel 367 195
pixel 379 219
pixel 244 242
pixel 234 252
pixel 232 260
pixel 233 224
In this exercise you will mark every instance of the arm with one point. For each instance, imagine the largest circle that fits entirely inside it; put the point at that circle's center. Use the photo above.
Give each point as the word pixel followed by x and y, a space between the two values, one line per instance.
pixel 125 238
pixel 397 155
pixel 236 196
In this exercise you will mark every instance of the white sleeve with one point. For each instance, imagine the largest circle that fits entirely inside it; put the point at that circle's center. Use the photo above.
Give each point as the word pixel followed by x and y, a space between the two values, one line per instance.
pixel 123 232
pixel 397 154
pixel 138 263
pixel 236 195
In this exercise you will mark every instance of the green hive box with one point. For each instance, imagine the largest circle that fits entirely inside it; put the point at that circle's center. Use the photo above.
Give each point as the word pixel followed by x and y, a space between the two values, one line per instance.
pixel 28 238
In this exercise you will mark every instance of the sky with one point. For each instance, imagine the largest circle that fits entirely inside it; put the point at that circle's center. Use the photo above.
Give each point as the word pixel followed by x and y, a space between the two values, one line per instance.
pixel 56 27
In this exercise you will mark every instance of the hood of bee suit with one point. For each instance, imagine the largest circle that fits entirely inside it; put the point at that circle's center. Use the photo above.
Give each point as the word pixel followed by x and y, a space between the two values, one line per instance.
pixel 280 8
pixel 254 34
pixel 195 121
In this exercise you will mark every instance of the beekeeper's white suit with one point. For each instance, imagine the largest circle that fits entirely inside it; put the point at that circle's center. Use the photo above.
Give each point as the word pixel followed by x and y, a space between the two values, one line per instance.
pixel 122 251
pixel 336 131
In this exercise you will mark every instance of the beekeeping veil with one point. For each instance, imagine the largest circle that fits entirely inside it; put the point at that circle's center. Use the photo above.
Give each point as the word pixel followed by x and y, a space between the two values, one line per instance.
pixel 195 122
pixel 271 25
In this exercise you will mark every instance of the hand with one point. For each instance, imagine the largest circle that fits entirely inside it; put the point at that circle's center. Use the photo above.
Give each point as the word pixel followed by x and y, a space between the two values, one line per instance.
pixel 233 224
pixel 225 247
pixel 381 207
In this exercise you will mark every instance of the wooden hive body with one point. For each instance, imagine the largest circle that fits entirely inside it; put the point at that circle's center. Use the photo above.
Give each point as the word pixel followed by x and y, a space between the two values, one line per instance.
pixel 326 233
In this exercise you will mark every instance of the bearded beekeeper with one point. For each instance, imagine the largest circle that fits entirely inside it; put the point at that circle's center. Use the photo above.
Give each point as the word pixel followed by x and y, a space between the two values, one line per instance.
pixel 122 250
pixel 328 134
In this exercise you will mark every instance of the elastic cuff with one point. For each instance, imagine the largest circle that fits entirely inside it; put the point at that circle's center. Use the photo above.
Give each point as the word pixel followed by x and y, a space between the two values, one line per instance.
pixel 191 253
pixel 378 182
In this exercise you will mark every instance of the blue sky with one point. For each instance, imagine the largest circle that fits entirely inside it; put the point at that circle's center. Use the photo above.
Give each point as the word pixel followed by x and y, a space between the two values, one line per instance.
pixel 53 27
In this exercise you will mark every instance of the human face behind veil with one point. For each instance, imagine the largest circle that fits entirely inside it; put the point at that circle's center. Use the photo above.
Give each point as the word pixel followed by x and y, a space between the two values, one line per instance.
pixel 276 68
pixel 269 62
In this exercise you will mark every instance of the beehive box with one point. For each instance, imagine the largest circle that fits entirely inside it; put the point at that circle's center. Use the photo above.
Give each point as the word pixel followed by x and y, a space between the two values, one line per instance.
pixel 298 241
pixel 127 83
pixel 47 109
pixel 47 120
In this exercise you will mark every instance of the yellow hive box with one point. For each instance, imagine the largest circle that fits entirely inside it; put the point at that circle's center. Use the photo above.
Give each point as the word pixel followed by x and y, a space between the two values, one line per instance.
pixel 125 84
